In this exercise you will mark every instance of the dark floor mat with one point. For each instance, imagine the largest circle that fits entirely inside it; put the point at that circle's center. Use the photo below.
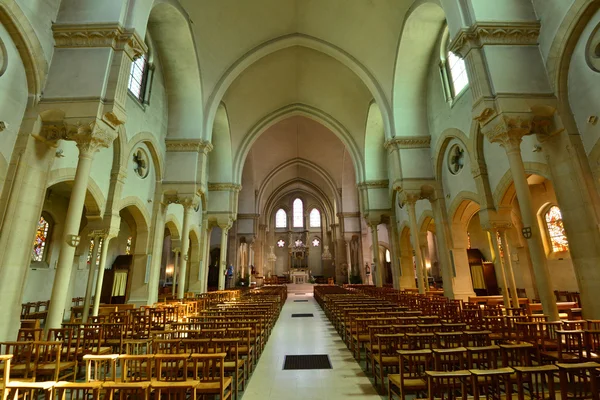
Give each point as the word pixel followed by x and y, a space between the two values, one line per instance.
pixel 302 315
pixel 312 361
pixel 300 301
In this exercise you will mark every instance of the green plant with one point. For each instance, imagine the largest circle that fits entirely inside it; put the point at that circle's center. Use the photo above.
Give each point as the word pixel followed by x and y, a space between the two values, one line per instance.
pixel 312 280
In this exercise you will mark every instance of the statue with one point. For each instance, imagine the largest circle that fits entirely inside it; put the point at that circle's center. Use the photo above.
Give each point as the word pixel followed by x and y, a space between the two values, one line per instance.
pixel 367 269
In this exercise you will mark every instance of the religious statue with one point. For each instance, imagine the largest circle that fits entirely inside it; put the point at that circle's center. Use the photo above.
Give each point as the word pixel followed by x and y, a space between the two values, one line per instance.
pixel 367 269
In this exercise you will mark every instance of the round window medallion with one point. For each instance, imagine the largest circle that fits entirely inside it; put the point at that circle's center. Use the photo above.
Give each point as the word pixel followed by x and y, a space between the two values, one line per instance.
pixel 592 50
pixel 141 166
pixel 456 157
pixel 3 58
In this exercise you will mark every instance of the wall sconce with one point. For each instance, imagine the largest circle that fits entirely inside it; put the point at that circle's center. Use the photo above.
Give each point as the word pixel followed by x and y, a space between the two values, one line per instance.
pixel 169 270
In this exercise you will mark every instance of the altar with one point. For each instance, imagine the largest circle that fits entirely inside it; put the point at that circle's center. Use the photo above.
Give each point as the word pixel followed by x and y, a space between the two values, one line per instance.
pixel 299 276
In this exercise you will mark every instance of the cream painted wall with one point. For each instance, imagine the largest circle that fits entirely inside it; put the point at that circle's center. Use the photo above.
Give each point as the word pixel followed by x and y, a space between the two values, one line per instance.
pixel 584 90
pixel 41 14
pixel 13 97
pixel 135 186
pixel 551 13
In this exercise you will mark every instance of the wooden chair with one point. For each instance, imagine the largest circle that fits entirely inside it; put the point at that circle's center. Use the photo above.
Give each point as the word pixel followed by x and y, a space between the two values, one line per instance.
pixel 447 385
pixel 570 348
pixel 578 380
pixel 136 376
pixel 210 372
pixel 78 390
pixel 477 338
pixel 452 359
pixel 411 377
pixel 419 341
pixel 100 368
pixel 485 357
pixel 592 345
pixel 234 364
pixel 22 362
pixel 245 348
pixel 23 390
pixel 5 374
pixel 492 383
pixel 49 364
pixel 448 340
pixel 387 356
pixel 30 334
pixel 537 382
pixel 371 349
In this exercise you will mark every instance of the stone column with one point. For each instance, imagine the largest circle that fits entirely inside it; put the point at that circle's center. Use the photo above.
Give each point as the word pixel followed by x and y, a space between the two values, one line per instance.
pixel 414 232
pixel 424 243
pixel 510 140
pixel 90 281
pixel 394 246
pixel 157 249
pixel 205 254
pixel 89 139
pixel 223 260
pixel 508 268
pixel 501 266
pixel 185 246
pixel 376 256
pixel 101 268
pixel 443 236
pixel 177 252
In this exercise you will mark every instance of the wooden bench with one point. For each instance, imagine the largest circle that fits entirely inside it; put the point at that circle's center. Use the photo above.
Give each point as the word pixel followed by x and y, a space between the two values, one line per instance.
pixel 567 309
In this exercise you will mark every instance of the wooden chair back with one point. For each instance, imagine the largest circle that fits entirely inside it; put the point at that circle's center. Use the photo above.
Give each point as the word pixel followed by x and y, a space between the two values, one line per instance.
pixel 171 367
pixel 450 359
pixel 536 382
pixel 136 368
pixel 100 368
pixel 448 385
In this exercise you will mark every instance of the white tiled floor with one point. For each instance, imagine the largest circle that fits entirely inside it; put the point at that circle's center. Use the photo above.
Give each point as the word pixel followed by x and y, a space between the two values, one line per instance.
pixel 307 336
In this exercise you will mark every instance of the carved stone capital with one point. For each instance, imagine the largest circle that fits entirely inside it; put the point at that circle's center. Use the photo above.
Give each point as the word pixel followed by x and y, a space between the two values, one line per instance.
pixel 380 184
pixel 408 142
pixel 495 33
pixel 189 145
pixel 224 187
pixel 90 136
pixel 99 35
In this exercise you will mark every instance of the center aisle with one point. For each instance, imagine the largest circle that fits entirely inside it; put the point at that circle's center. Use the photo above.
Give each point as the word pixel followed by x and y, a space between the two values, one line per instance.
pixel 302 336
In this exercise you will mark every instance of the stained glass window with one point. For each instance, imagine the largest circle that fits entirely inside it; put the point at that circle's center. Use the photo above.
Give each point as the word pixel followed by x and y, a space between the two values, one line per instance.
pixel 128 246
pixel 458 73
pixel 280 219
pixel 91 252
pixel 280 243
pixel 388 256
pixel 298 213
pixel 316 242
pixel 556 231
pixel 499 238
pixel 315 218
pixel 468 240
pixel 41 238
pixel 137 77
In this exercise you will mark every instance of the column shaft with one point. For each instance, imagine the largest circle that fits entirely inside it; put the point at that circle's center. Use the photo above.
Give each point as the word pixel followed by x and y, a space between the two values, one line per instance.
pixel 185 246
pixel 536 249
pixel 206 259
pixel 376 256
pixel 100 279
pixel 67 248
pixel 223 260
pixel 508 269
pixel 443 248
pixel 175 274
pixel 414 232
pixel 499 263
pixel 157 249
pixel 90 280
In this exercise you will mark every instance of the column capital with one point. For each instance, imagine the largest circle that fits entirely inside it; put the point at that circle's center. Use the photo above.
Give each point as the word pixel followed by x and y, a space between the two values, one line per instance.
pixel 89 134
pixel 99 35
pixel 410 197
pixel 495 33
pixel 176 250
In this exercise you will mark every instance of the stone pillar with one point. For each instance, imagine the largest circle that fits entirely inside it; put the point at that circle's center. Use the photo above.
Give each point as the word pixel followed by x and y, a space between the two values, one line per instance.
pixel 414 232
pixel 424 243
pixel 206 254
pixel 510 140
pixel 89 139
pixel 223 260
pixel 508 268
pixel 90 281
pixel 441 230
pixel 101 268
pixel 185 246
pixel 392 228
pixel 176 274
pixel 376 256
pixel 501 266
pixel 157 249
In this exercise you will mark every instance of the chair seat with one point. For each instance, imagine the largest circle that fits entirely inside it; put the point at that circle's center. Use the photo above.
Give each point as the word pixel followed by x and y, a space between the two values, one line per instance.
pixel 52 367
pixel 365 337
pixel 387 360
pixel 411 383
pixel 232 365
pixel 211 386
pixel 174 384
pixel 126 385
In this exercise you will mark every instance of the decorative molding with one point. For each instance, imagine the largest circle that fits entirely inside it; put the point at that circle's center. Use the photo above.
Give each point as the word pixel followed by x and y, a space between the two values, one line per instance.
pixel 408 142
pixel 189 145
pixel 381 184
pixel 592 50
pixel 99 35
pixel 248 216
pixel 224 187
pixel 349 214
pixel 495 33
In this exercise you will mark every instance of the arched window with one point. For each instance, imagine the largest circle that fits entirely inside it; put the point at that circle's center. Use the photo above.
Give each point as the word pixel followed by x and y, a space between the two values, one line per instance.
pixel 388 256
pixel 128 245
pixel 298 213
pixel 458 73
pixel 280 219
pixel 316 242
pixel 138 77
pixel 555 229
pixel 40 242
pixel 453 70
pixel 315 218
